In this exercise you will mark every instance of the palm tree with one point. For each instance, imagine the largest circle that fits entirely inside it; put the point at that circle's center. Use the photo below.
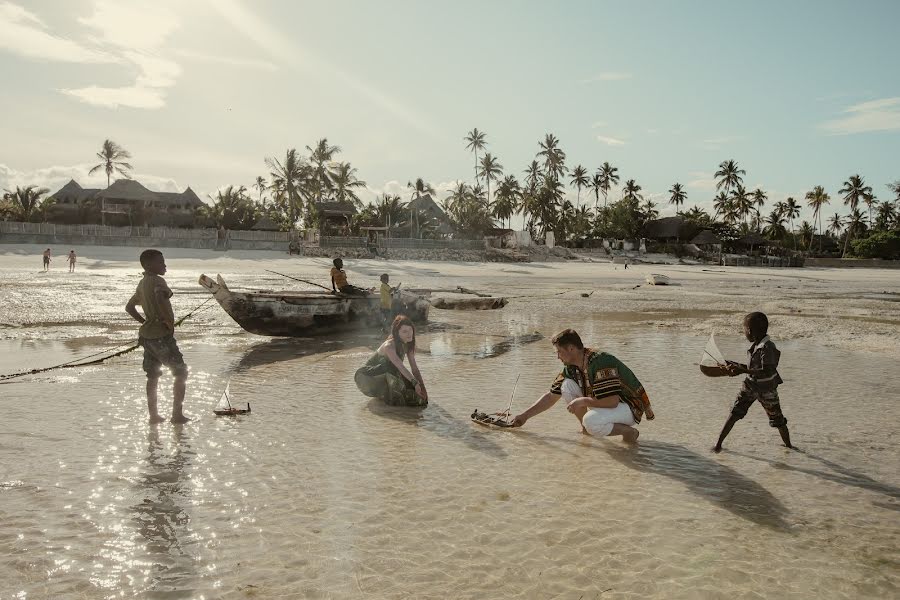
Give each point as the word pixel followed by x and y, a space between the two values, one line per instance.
pixel 322 165
pixel 677 196
pixel 579 180
pixel 533 176
pixel 490 170
pixel 774 229
pixel 26 202
pixel 742 202
pixel 729 175
pixel 807 231
pixel 344 181
pixel 113 158
pixel 895 189
pixel 835 224
pixel 554 157
pixel 649 210
pixel 420 188
pixel 759 199
pixel 791 212
pixel 610 177
pixel 290 177
pixel 816 199
pixel 632 191
pixel 722 203
pixel 475 141
pixel 596 184
pixel 887 215
pixel 854 190
pixel 260 185
pixel 506 199
pixel 856 221
pixel 870 203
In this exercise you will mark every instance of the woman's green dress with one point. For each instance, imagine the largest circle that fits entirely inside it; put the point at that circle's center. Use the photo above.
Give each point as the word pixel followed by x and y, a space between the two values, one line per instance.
pixel 379 378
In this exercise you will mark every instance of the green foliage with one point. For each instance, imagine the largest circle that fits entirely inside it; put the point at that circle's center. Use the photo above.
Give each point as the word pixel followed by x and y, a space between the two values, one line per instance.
pixel 232 208
pixel 882 244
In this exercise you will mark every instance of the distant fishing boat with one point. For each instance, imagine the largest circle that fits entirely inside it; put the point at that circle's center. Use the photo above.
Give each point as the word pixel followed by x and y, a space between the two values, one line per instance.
pixel 657 279
pixel 306 313
pixel 469 303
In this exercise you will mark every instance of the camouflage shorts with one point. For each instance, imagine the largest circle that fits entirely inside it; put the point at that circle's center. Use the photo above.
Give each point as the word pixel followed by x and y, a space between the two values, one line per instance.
pixel 162 351
pixel 769 400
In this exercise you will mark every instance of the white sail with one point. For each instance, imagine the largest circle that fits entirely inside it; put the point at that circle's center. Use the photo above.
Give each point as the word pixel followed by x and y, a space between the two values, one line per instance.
pixel 225 400
pixel 712 356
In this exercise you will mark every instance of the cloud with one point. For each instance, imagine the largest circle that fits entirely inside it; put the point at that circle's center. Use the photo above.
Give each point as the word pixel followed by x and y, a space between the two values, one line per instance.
pixel 55 177
pixel 610 141
pixel 716 143
pixel 138 30
pixel 23 33
pixel 875 115
pixel 597 124
pixel 231 61
pixel 246 20
pixel 701 180
pixel 607 76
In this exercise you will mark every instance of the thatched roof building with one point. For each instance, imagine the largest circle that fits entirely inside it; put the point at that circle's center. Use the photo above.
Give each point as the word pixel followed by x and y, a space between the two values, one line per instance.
pixel 705 238
pixel 667 228
pixel 128 199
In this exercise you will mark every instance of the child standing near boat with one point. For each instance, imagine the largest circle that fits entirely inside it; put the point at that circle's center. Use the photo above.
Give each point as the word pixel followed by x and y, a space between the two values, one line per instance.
pixel 157 334
pixel 762 381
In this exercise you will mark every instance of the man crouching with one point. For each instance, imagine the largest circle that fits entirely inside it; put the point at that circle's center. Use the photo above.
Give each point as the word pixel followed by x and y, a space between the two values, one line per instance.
pixel 602 393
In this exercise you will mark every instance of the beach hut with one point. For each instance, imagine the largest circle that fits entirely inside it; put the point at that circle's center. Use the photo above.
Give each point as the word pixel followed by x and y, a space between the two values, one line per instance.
pixel 754 239
pixel 706 238
pixel 335 215
pixel 665 229
pixel 424 209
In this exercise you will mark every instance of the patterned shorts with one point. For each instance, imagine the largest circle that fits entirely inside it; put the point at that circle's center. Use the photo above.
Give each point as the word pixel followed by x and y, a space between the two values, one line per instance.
pixel 769 400
pixel 389 388
pixel 162 351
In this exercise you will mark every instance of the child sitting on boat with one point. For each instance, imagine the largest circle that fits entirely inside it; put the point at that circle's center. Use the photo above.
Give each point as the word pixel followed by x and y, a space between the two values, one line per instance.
pixel 339 281
pixel 384 375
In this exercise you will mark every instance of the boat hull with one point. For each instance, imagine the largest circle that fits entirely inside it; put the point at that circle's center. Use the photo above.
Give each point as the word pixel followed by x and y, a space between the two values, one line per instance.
pixel 301 314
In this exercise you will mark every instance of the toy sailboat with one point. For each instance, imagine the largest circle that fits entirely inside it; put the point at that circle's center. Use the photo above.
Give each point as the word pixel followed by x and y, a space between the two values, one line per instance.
pixel 713 363
pixel 230 410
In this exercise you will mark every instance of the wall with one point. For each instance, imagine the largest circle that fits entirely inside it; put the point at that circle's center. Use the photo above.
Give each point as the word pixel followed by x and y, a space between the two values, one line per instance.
pixel 864 263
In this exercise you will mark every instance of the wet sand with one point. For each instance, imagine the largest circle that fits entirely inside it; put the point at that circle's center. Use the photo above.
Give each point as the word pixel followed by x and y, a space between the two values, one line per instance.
pixel 322 493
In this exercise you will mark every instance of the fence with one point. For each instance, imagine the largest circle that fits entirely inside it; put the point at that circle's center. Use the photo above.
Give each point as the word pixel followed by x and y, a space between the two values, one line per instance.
pixel 106 231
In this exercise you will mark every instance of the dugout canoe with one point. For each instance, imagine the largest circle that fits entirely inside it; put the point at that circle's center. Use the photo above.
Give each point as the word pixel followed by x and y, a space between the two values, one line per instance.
pixel 308 313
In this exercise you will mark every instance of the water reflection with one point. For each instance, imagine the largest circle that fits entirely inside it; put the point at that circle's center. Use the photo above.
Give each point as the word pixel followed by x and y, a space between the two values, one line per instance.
pixel 161 516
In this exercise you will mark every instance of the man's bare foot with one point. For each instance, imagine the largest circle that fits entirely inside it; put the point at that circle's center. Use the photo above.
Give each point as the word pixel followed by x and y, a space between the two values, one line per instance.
pixel 584 431
pixel 717 449
pixel 154 419
pixel 631 437
pixel 179 419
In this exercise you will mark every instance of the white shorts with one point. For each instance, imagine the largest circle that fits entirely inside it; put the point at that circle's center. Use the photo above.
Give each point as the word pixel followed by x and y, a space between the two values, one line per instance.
pixel 598 421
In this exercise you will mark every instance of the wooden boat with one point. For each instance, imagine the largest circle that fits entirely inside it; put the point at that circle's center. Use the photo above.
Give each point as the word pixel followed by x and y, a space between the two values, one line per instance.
pixel 469 303
pixel 657 279
pixel 306 313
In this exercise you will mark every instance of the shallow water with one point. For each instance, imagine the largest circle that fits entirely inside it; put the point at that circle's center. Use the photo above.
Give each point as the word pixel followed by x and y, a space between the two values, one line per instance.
pixel 322 493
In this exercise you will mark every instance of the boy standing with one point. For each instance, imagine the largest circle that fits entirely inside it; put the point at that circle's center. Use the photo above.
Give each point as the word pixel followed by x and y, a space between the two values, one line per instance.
pixel 72 258
pixel 762 380
pixel 157 334
pixel 387 302
pixel 46 256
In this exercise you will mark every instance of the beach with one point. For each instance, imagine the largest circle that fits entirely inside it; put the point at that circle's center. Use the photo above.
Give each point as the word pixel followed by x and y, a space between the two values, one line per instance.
pixel 323 493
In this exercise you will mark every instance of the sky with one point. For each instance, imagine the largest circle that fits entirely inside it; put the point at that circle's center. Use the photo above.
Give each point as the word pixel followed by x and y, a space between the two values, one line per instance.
pixel 799 93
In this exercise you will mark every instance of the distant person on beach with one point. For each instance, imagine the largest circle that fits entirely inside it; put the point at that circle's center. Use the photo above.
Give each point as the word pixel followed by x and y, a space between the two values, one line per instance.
pixel 384 375
pixel 387 302
pixel 71 258
pixel 46 256
pixel 157 334
pixel 602 393
pixel 339 281
pixel 762 381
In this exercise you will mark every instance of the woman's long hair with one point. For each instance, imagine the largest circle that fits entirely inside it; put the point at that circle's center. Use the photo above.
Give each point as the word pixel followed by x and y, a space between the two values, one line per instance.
pixel 399 347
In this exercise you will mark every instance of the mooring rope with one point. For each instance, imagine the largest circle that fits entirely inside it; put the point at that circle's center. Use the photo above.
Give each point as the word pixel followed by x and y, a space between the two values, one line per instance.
pixel 80 362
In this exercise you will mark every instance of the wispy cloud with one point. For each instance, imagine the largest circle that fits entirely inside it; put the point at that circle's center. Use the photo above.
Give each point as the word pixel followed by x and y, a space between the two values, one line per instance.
pixel 610 141
pixel 717 143
pixel 607 76
pixel 701 180
pixel 230 61
pixel 248 22
pixel 875 115
pixel 55 177
pixel 597 124
pixel 24 33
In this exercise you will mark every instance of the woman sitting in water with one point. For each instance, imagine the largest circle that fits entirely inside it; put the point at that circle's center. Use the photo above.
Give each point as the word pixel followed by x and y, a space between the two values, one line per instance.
pixel 384 376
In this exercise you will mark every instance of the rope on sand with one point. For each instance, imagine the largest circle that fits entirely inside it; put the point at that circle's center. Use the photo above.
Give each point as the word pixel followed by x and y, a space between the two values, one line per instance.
pixel 84 362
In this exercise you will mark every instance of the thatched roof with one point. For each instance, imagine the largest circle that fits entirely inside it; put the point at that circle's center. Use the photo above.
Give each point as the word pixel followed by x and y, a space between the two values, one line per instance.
pixel 266 224
pixel 705 237
pixel 335 209
pixel 426 205
pixel 74 191
pixel 128 189
pixel 665 228
pixel 754 239
pixel 187 197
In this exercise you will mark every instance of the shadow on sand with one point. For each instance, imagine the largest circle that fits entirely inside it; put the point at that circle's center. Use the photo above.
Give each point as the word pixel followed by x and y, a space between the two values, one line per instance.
pixel 702 475
pixel 435 419
pixel 838 474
